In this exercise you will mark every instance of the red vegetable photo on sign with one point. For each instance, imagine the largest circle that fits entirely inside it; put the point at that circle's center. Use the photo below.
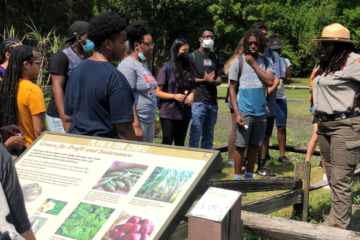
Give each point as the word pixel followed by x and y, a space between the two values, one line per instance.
pixel 132 226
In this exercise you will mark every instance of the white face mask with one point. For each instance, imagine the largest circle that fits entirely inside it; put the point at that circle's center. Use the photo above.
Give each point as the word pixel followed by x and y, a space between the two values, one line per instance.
pixel 207 43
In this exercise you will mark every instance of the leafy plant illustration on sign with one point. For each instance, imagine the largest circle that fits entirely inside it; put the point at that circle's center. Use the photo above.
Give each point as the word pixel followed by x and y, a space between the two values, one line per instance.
pixel 52 206
pixel 85 221
pixel 164 184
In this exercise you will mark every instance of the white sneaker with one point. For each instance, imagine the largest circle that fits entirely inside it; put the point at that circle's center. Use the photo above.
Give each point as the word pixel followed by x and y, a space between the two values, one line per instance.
pixel 231 162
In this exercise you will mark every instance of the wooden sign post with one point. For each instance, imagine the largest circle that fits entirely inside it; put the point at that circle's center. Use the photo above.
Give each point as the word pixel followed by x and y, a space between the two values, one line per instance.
pixel 217 216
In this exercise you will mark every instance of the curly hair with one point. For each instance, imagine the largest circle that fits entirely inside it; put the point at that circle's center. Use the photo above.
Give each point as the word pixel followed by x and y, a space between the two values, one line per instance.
pixel 260 25
pixel 338 61
pixel 260 37
pixel 6 46
pixel 104 26
pixel 135 32
pixel 204 29
pixel 238 52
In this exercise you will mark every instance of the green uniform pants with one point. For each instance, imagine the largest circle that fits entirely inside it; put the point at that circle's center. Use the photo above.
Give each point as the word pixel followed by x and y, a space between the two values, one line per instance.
pixel 340 144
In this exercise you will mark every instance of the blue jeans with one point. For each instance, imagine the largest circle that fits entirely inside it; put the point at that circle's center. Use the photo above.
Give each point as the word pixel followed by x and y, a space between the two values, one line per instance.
pixel 55 124
pixel 204 117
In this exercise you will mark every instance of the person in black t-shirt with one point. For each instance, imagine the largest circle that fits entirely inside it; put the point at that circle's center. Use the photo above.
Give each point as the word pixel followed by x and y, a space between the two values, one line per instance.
pixel 208 74
pixel 99 100
pixel 61 66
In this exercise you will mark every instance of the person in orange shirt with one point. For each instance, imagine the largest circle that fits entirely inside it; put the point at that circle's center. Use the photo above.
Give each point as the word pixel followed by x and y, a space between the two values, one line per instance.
pixel 22 102
pixel 314 140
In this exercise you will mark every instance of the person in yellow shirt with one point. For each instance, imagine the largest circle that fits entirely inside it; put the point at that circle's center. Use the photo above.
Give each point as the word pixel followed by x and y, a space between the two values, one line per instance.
pixel 22 102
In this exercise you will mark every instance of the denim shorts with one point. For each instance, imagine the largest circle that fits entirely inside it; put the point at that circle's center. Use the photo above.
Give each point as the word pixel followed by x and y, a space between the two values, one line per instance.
pixel 255 132
pixel 281 112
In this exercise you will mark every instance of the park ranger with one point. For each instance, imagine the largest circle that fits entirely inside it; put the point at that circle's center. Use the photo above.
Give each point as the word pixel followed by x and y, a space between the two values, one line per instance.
pixel 335 85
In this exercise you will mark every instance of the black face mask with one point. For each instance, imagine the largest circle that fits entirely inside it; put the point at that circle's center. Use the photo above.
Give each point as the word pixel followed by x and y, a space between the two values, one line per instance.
pixel 184 58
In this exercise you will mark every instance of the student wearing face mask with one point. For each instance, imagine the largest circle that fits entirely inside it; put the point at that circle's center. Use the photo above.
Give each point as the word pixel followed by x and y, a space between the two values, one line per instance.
pixel 176 89
pixel 141 81
pixel 208 74
pixel 61 66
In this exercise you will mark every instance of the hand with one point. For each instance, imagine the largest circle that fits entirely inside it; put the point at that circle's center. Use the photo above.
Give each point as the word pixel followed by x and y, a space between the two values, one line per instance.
pixel 180 97
pixel 157 128
pixel 240 121
pixel 250 60
pixel 9 131
pixel 311 88
pixel 190 99
pixel 139 136
pixel 209 77
pixel 267 110
pixel 14 142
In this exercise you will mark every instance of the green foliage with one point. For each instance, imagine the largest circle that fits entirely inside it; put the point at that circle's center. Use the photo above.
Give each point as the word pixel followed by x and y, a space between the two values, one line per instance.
pixel 296 22
pixel 85 221
pixel 164 184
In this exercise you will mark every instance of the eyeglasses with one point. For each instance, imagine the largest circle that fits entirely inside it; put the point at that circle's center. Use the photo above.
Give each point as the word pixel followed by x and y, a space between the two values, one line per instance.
pixel 325 44
pixel 208 36
pixel 149 44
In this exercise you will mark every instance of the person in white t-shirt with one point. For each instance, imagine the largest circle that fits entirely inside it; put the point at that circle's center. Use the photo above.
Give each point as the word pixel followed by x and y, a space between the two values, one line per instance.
pixel 281 104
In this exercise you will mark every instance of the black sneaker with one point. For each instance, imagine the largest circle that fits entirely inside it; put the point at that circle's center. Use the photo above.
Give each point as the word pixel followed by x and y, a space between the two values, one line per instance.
pixel 285 160
pixel 265 172
pixel 320 165
pixel 267 158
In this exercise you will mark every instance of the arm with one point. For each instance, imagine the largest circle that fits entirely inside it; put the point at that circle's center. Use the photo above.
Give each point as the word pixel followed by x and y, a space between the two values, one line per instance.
pixel 58 91
pixel 39 123
pixel 168 96
pixel 274 86
pixel 287 78
pixel 67 122
pixel 233 101
pixel 266 77
pixel 217 81
pixel 125 131
pixel 138 132
pixel 28 235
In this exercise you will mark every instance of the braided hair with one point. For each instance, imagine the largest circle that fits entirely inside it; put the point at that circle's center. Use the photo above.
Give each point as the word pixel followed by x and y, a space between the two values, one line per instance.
pixel 8 92
pixel 260 37
pixel 341 53
pixel 6 46
pixel 237 53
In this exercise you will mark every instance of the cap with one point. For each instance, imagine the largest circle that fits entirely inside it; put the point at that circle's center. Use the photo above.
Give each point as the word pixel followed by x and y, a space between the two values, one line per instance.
pixel 275 43
pixel 77 28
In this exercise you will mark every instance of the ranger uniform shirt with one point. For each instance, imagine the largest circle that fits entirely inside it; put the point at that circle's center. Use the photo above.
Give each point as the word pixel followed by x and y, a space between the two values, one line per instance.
pixel 335 93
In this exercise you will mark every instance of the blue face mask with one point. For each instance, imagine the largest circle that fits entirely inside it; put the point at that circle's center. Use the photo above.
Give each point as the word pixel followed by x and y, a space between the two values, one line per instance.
pixel 89 45
pixel 141 55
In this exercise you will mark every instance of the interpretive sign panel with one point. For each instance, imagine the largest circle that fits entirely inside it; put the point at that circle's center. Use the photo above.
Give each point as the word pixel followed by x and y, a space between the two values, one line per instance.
pixel 78 187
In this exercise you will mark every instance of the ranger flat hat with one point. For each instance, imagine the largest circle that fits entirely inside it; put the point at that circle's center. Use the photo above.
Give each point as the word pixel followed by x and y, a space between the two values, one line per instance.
pixel 335 33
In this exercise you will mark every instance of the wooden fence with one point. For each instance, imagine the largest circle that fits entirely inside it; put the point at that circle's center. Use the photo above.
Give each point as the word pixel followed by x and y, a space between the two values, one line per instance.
pixel 296 195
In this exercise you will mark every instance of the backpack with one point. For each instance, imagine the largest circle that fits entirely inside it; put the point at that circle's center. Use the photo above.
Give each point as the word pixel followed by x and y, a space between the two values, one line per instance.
pixel 168 77
pixel 241 64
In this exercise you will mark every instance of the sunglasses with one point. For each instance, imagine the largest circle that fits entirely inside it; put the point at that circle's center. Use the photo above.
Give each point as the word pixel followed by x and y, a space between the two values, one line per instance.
pixel 325 44
pixel 149 44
